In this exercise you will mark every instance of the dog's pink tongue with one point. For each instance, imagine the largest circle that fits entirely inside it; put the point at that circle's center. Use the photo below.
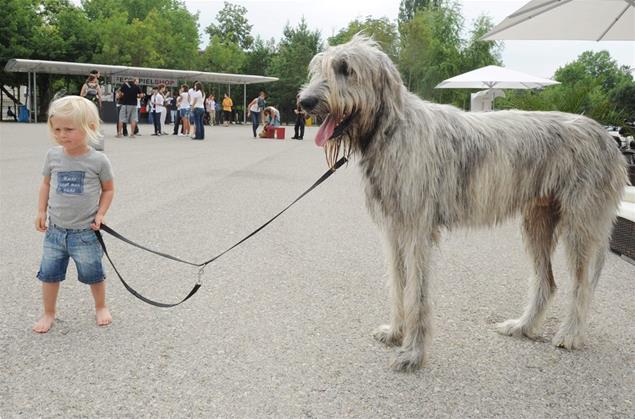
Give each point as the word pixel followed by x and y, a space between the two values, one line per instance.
pixel 325 131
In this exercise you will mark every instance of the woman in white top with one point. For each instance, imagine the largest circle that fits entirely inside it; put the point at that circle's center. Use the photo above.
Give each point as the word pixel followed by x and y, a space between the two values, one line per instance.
pixel 254 108
pixel 197 100
pixel 184 110
pixel 159 110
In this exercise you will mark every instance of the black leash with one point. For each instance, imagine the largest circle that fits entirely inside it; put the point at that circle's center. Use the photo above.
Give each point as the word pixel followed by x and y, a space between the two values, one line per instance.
pixel 202 266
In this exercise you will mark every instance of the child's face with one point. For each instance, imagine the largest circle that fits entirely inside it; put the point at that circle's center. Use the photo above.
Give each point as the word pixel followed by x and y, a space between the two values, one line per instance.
pixel 68 134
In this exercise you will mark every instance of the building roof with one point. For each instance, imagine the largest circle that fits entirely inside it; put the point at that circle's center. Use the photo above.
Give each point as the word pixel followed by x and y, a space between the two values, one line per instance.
pixel 61 67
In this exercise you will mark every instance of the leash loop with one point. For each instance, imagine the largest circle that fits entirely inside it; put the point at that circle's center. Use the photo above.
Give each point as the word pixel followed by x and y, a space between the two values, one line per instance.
pixel 200 274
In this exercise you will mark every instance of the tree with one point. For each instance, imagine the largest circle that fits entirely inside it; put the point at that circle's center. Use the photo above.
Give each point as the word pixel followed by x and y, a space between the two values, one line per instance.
pixel 161 33
pixel 595 67
pixel 433 50
pixel 222 57
pixel 430 50
pixel 258 61
pixel 408 8
pixel 593 85
pixel 233 26
pixel 623 96
pixel 295 51
pixel 381 30
pixel 478 53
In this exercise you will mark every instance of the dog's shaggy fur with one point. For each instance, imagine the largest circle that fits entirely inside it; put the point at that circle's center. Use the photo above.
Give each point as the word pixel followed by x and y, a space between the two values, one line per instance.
pixel 429 167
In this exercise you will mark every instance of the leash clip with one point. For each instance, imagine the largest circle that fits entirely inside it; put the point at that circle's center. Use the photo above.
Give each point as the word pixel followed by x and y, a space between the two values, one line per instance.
pixel 200 274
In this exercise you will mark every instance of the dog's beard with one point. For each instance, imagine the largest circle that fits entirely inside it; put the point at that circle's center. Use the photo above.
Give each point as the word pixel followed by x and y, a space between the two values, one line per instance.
pixel 334 136
pixel 332 151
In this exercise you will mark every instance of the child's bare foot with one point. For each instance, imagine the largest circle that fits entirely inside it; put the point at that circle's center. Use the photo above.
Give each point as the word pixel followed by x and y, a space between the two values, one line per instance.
pixel 103 316
pixel 44 324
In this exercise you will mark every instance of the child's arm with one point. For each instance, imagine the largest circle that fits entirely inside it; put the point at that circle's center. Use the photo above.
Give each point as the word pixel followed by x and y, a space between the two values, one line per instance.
pixel 42 205
pixel 107 193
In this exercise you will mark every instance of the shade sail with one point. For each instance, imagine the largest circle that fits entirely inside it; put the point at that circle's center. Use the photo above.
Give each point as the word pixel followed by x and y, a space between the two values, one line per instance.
pixel 596 20
pixel 61 67
pixel 494 76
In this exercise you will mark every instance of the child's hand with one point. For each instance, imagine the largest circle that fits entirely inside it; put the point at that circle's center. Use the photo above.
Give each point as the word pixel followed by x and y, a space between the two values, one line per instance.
pixel 97 224
pixel 40 222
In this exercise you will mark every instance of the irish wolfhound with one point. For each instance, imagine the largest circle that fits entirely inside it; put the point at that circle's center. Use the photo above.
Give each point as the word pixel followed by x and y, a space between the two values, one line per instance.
pixel 429 167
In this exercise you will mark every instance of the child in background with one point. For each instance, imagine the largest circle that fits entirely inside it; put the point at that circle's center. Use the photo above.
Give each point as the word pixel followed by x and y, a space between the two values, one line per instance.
pixel 76 191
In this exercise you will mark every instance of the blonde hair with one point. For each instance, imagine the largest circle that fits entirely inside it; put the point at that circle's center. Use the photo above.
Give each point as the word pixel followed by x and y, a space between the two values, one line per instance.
pixel 81 111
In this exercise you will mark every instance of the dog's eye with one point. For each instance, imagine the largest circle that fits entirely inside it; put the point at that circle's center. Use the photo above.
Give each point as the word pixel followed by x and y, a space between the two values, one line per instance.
pixel 342 68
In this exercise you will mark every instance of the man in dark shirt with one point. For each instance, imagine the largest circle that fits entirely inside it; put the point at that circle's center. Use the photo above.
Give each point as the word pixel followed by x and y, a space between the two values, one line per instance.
pixel 130 91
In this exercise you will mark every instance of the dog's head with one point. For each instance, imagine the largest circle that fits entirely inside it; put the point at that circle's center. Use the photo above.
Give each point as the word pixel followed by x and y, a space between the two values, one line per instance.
pixel 351 89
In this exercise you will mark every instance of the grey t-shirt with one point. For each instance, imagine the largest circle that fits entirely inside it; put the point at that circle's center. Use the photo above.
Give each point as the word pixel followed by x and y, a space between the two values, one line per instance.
pixel 75 186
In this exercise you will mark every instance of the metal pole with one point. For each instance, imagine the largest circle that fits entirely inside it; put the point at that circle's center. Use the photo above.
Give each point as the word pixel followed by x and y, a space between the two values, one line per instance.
pixel 35 95
pixel 28 95
pixel 244 103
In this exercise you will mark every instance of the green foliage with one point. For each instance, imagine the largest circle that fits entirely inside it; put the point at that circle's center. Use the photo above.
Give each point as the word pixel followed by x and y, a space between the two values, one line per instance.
pixel 233 26
pixel 593 85
pixel 425 42
pixel 381 30
pixel 258 61
pixel 623 97
pixel 432 50
pixel 161 33
pixel 408 8
pixel 290 65
pixel 222 57
pixel 478 53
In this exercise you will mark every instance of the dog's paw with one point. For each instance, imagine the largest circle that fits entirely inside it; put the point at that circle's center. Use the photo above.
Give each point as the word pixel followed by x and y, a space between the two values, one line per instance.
pixel 408 361
pixel 515 328
pixel 568 340
pixel 385 335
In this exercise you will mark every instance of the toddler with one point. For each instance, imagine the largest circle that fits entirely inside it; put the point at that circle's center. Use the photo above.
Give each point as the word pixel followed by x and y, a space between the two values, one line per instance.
pixel 76 193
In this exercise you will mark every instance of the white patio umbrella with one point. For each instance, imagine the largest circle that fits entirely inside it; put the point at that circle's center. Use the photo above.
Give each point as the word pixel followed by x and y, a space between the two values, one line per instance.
pixel 493 76
pixel 596 20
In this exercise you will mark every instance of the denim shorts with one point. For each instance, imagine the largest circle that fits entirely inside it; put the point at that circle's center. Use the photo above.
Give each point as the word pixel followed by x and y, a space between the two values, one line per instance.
pixel 80 245
pixel 184 113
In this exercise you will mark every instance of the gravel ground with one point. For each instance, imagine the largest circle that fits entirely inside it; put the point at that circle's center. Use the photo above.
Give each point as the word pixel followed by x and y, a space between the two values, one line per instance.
pixel 282 325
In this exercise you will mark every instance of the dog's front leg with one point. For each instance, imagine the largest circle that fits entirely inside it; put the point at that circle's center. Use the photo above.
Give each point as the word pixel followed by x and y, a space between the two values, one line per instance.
pixel 416 300
pixel 392 334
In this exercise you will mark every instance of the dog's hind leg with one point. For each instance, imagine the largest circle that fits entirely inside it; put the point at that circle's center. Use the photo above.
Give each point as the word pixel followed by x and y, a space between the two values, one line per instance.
pixel 586 244
pixel 392 334
pixel 416 301
pixel 539 228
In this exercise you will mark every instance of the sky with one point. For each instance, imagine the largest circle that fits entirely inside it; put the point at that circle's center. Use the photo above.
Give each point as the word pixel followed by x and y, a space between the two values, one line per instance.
pixel 539 58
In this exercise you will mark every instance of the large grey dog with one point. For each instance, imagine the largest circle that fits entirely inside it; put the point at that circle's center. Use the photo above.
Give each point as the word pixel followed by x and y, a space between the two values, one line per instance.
pixel 429 167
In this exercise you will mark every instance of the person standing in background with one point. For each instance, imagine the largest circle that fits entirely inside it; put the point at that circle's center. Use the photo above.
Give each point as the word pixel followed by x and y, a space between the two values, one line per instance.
pixel 227 109
pixel 92 91
pixel 217 108
pixel 254 109
pixel 197 101
pixel 169 106
pixel 158 107
pixel 300 120
pixel 128 112
pixel 184 110
pixel 210 105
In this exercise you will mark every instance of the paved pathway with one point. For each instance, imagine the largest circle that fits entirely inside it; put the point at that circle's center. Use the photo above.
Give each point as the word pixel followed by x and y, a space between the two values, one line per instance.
pixel 282 324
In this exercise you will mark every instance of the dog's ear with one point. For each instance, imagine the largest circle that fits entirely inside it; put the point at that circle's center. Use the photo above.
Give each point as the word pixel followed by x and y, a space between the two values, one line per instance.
pixel 342 68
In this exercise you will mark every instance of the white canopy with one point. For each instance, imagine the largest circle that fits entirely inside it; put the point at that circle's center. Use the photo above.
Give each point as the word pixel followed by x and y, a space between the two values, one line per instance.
pixel 597 20
pixel 61 67
pixel 495 76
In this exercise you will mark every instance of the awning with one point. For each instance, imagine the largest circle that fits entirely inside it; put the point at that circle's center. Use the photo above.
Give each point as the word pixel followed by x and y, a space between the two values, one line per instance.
pixel 82 69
